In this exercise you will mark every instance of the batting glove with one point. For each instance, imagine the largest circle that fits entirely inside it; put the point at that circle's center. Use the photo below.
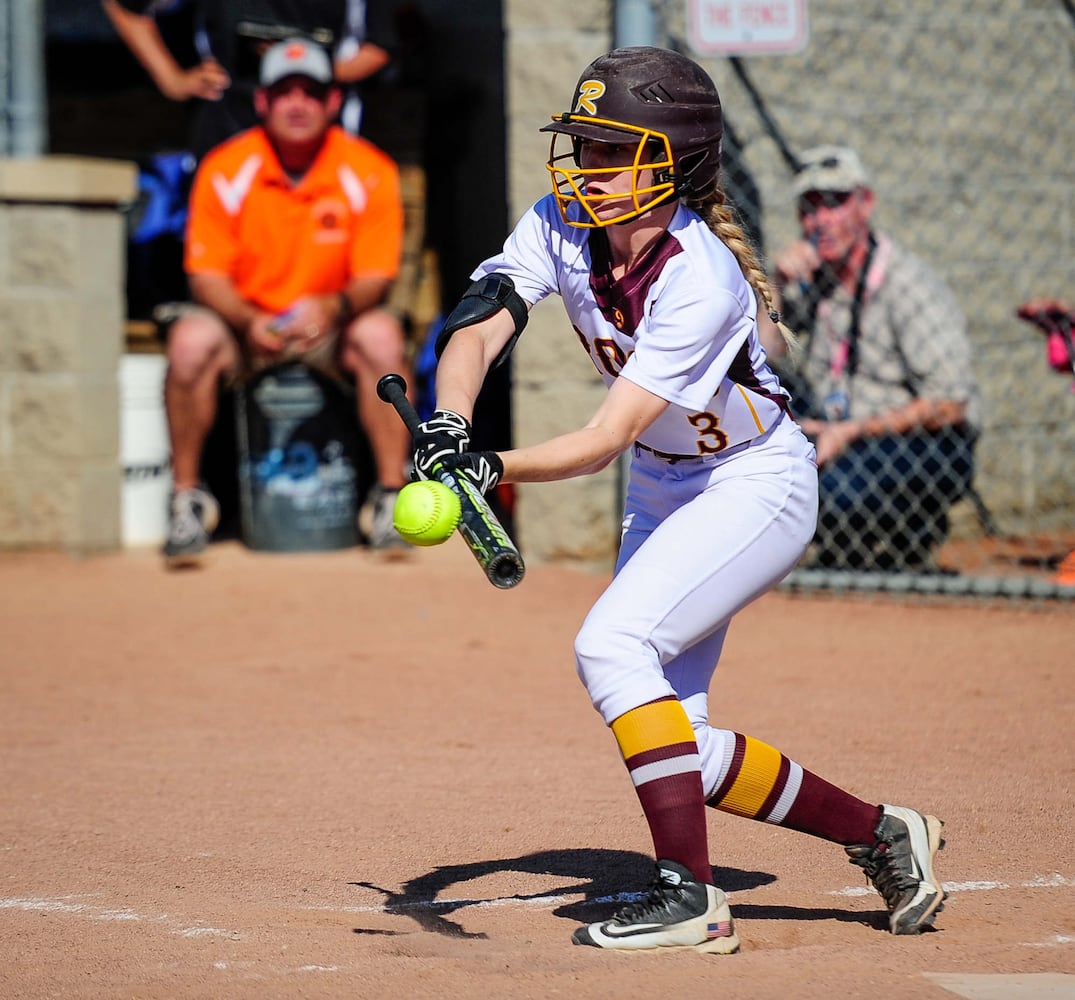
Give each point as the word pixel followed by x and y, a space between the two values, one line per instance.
pixel 482 468
pixel 444 434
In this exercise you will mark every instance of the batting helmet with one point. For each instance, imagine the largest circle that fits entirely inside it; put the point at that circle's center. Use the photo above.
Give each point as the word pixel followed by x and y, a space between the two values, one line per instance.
pixel 658 99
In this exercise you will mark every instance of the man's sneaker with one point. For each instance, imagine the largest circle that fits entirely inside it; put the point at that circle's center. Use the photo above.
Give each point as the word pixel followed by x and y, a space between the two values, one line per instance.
pixel 379 530
pixel 900 866
pixel 676 913
pixel 192 519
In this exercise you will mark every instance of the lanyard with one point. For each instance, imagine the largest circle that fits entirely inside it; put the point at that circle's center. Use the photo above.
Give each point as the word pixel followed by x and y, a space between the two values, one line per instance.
pixel 854 329
pixel 844 360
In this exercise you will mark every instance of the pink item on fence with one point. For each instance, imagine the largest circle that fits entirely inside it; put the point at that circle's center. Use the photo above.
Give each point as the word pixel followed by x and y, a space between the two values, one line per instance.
pixel 1058 351
pixel 1056 319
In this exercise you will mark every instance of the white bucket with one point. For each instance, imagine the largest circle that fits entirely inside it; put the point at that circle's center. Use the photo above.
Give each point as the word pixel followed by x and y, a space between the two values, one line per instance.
pixel 144 450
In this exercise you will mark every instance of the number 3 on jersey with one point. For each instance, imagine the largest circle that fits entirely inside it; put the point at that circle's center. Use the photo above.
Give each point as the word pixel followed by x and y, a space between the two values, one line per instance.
pixel 606 353
pixel 711 439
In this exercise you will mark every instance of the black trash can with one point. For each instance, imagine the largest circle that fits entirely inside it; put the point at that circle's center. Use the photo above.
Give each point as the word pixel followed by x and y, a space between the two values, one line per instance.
pixel 299 452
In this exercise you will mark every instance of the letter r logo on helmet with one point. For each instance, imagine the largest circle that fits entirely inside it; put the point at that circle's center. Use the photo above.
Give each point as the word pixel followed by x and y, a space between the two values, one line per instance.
pixel 589 92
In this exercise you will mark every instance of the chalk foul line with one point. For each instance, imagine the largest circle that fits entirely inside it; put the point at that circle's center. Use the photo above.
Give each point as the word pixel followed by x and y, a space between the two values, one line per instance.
pixel 77 906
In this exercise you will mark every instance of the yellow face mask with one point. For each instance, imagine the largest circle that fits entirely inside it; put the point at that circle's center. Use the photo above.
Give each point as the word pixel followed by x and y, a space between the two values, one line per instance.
pixel 653 153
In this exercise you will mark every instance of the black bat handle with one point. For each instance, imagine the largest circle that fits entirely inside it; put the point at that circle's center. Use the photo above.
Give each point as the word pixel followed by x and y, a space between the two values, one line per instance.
pixel 392 389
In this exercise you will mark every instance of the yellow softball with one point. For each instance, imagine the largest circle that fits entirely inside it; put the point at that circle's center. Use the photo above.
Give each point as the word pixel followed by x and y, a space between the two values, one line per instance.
pixel 426 513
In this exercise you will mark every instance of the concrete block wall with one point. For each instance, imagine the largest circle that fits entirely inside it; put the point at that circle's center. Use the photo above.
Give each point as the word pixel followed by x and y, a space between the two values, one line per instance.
pixel 556 388
pixel 965 114
pixel 61 334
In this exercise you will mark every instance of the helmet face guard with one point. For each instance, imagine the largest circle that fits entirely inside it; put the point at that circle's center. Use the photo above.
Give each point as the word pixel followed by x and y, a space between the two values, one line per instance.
pixel 660 101
pixel 570 182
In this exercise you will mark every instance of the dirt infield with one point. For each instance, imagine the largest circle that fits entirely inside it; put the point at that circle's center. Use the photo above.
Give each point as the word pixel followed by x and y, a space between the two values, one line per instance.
pixel 322 776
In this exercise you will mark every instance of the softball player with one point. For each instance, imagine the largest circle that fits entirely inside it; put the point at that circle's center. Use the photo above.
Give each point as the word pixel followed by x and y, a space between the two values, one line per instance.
pixel 662 288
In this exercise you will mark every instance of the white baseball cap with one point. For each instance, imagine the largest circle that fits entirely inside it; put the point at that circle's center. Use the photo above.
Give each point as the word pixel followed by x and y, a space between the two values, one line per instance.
pixel 829 168
pixel 295 57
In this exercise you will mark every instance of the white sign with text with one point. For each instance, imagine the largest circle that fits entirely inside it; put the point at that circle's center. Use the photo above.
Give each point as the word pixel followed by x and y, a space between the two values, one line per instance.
pixel 746 27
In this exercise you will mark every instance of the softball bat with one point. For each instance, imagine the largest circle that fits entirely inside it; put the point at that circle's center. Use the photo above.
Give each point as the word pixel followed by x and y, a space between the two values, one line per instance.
pixel 486 538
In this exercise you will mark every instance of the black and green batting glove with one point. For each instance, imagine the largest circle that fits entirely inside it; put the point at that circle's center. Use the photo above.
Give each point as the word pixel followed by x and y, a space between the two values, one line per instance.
pixel 443 434
pixel 482 468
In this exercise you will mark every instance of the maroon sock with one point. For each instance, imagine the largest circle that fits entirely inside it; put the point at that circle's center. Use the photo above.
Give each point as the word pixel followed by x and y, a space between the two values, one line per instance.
pixel 823 810
pixel 675 811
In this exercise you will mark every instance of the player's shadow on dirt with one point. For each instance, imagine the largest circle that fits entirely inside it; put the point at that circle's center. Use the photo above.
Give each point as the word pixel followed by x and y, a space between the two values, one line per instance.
pixel 606 878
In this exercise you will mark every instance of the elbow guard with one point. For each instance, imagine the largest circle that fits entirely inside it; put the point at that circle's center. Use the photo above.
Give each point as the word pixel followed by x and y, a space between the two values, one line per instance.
pixel 485 298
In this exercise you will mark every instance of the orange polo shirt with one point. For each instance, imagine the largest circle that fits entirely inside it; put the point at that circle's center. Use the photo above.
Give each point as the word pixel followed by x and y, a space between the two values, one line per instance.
pixel 279 240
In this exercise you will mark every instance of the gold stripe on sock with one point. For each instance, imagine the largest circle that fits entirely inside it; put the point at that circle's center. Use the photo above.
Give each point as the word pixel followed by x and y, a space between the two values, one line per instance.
pixel 658 724
pixel 758 774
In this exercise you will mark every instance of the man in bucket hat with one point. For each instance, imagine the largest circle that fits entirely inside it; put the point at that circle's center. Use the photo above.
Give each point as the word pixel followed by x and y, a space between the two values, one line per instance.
pixel 886 389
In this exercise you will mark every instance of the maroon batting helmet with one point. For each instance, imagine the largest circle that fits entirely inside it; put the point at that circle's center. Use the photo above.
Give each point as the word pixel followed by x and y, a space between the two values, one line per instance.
pixel 659 99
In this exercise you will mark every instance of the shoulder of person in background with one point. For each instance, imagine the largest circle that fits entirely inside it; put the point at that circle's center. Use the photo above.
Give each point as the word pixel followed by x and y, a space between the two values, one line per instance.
pixel 361 149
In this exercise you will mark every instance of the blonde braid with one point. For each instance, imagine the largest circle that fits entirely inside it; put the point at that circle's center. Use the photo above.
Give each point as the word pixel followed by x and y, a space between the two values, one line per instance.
pixel 718 215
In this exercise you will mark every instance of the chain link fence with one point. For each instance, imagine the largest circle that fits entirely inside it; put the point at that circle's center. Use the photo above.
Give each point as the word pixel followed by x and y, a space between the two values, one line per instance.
pixel 962 113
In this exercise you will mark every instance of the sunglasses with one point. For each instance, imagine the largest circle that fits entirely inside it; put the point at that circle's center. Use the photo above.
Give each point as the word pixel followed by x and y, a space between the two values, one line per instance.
pixel 828 163
pixel 814 200
pixel 311 88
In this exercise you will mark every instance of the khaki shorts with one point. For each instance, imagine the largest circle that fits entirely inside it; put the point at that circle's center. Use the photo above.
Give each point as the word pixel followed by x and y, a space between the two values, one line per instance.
pixel 323 357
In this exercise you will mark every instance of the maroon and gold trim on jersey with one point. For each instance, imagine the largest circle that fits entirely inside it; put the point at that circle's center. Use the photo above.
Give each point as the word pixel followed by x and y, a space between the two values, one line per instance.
pixel 622 301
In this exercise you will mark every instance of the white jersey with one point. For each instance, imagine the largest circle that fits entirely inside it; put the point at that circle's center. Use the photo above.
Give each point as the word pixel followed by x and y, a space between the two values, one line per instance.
pixel 681 324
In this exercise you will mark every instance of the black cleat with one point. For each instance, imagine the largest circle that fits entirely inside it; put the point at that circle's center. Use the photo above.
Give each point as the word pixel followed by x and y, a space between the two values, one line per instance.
pixel 900 866
pixel 676 913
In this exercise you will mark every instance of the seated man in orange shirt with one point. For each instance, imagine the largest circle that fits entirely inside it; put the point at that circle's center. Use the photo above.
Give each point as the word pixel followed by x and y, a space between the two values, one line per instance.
pixel 293 241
